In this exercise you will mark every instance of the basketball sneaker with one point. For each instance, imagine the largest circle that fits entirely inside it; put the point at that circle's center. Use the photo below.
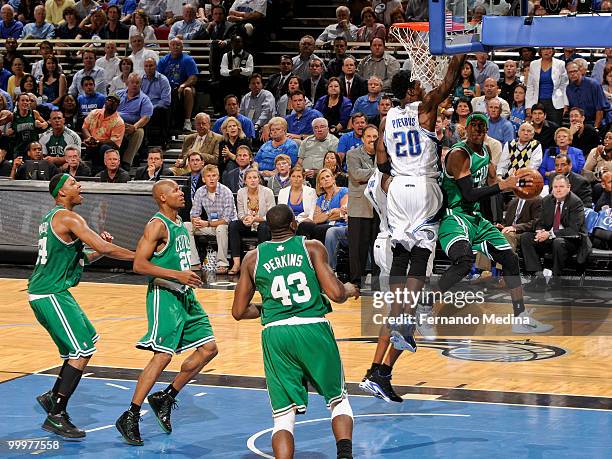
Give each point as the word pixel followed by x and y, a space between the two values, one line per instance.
pixel 530 325
pixel 60 424
pixel 46 401
pixel 424 321
pixel 127 425
pixel 380 387
pixel 402 338
pixel 162 404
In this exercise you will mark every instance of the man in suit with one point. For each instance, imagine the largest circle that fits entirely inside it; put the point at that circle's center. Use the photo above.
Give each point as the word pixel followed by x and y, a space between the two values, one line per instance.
pixel 316 86
pixel 521 216
pixel 195 162
pixel 559 231
pixel 361 222
pixel 277 84
pixel 154 168
pixel 351 84
pixel 579 185
pixel 219 30
pixel 204 141
pixel 234 178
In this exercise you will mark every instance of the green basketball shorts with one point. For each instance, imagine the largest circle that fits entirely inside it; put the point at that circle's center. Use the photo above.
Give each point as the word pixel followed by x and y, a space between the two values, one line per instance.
pixel 66 323
pixel 297 354
pixel 475 229
pixel 177 322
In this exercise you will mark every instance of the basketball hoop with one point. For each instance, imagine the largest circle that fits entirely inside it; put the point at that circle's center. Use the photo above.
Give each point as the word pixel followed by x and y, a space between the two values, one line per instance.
pixel 426 68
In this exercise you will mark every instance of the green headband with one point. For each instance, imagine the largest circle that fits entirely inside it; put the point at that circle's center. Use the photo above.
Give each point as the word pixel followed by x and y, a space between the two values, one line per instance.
pixel 60 184
pixel 475 116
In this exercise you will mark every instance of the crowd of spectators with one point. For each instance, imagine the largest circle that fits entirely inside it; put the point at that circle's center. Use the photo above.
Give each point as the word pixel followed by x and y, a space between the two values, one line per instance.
pixel 303 136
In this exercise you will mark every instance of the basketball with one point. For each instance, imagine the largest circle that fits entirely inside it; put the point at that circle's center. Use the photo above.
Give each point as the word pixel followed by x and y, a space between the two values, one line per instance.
pixel 531 190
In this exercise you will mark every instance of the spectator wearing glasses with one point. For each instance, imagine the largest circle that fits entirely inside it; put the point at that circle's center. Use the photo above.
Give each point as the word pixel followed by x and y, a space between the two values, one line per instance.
pixel 585 93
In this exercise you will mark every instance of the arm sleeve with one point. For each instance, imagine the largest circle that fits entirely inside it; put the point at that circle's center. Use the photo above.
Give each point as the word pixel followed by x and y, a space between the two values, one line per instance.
pixel 471 194
pixel 536 158
pixel 166 93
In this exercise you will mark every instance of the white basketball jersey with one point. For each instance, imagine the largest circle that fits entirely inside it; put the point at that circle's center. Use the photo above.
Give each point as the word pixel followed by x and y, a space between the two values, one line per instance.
pixel 413 150
pixel 378 198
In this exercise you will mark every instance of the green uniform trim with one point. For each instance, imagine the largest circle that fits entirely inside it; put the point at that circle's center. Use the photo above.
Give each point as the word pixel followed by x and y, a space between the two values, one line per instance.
pixel 463 220
pixel 295 355
pixel 66 323
pixel 287 281
pixel 176 321
pixel 59 264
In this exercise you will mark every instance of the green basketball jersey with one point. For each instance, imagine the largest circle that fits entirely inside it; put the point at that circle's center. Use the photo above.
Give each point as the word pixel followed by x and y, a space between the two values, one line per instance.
pixel 59 264
pixel 176 253
pixel 288 282
pixel 479 169
pixel 25 130
pixel 56 145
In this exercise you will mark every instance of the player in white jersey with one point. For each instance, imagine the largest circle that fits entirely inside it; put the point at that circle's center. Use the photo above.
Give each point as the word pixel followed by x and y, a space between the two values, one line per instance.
pixel 377 380
pixel 407 149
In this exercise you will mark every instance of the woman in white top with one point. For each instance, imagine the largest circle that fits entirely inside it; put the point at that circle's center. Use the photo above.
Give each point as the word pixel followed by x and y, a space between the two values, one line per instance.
pixel 547 83
pixel 254 201
pixel 126 66
pixel 140 25
pixel 301 198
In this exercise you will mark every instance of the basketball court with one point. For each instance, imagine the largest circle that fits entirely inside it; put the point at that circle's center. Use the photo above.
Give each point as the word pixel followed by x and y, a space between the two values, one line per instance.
pixel 548 396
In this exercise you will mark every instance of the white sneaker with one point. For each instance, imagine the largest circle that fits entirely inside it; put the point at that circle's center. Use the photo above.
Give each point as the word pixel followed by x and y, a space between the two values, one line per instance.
pixel 187 126
pixel 530 325
pixel 424 320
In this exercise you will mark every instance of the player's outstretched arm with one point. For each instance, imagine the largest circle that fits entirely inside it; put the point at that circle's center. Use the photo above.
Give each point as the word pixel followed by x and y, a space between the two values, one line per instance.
pixel 433 98
pixel 243 294
pixel 331 286
pixel 77 225
pixel 154 233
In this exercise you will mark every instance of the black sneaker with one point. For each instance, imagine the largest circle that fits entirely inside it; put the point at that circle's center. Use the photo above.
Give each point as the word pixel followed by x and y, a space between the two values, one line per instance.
pixel 60 424
pixel 46 401
pixel 162 403
pixel 127 425
pixel 380 386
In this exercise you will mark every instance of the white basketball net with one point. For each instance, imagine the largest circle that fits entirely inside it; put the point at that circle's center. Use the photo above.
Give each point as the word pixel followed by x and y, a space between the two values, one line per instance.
pixel 426 68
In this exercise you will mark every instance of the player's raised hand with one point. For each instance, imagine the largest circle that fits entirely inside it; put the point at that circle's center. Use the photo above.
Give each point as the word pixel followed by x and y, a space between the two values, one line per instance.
pixel 351 290
pixel 189 278
pixel 106 236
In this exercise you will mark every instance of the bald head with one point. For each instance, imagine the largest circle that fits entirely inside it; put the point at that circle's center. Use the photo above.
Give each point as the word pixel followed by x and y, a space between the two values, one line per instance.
pixel 162 188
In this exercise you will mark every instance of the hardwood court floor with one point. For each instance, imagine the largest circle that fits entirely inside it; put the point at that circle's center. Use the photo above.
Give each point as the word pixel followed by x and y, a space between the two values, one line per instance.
pixel 118 313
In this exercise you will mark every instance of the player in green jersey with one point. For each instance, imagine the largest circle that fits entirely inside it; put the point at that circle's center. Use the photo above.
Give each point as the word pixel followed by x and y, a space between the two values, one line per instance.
pixel 61 256
pixel 468 177
pixel 298 343
pixel 176 319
